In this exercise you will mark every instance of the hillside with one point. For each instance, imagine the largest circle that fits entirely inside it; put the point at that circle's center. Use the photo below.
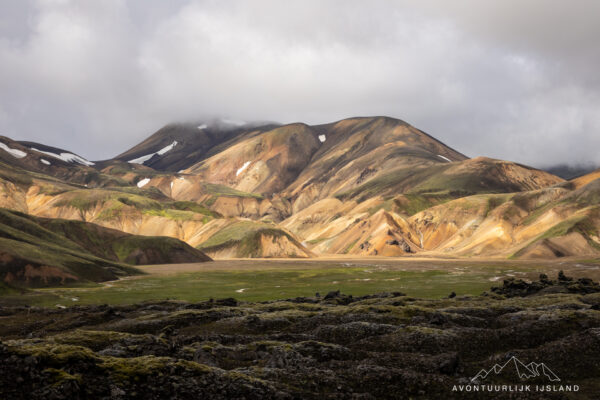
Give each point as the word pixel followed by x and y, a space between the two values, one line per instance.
pixel 49 161
pixel 40 252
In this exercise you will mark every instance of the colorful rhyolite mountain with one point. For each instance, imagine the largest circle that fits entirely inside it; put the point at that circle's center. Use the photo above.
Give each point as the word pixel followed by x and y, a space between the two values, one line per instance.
pixel 360 186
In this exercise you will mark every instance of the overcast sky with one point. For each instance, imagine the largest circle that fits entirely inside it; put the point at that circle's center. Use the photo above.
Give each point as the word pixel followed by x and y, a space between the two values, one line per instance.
pixel 508 79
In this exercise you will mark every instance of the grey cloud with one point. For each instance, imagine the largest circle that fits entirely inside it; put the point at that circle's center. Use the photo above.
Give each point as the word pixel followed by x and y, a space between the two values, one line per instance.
pixel 512 80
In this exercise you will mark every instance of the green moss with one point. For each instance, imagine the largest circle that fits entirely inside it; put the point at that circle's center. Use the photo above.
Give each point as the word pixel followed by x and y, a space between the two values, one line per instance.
pixel 238 376
pixel 240 232
pixel 316 241
pixel 349 247
pixel 87 199
pixel 59 377
pixel 225 191
pixel 578 223
pixel 136 368
pixel 397 181
pixel 193 207
pixel 125 246
pixel 249 246
pixel 15 175
pixel 386 205
pixel 539 211
pixel 494 202
pixel 95 340
pixel 562 228
pixel 176 215
pixel 411 204
pixel 56 355
pixel 110 212
pixel 6 289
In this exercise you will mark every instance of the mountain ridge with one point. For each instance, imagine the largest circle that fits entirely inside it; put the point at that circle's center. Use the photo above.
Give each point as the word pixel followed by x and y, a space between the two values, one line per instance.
pixel 358 186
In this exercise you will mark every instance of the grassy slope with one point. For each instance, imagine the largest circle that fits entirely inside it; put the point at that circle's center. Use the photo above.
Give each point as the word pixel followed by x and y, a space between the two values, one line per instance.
pixel 88 251
pixel 148 201
pixel 425 186
pixel 27 242
pixel 245 235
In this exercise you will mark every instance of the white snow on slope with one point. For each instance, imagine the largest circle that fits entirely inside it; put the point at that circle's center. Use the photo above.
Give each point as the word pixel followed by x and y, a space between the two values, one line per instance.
pixel 167 148
pixel 45 161
pixel 242 168
pixel 444 158
pixel 13 152
pixel 322 138
pixel 66 157
pixel 203 126
pixel 143 159
pixel 143 182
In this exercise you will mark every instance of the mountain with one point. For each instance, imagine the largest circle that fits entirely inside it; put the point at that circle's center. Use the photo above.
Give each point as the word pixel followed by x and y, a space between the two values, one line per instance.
pixel 359 186
pixel 53 162
pixel 178 146
pixel 359 157
pixel 40 252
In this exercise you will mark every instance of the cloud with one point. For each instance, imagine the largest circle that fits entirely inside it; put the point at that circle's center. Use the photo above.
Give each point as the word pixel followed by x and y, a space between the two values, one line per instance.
pixel 504 79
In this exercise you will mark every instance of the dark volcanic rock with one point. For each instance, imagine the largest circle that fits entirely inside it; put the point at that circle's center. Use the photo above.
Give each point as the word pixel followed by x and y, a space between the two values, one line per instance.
pixel 383 346
pixel 517 287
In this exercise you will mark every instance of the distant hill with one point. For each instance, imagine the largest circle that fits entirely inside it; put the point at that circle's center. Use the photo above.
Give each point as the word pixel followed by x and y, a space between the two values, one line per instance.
pixel 570 171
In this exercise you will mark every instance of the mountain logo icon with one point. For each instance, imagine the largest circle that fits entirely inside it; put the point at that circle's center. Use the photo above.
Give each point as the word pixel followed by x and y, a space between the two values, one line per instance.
pixel 523 371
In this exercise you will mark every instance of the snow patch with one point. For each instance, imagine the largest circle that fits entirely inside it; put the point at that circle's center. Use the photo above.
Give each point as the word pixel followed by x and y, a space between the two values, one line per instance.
pixel 13 152
pixel 444 158
pixel 44 161
pixel 143 182
pixel 322 138
pixel 66 157
pixel 203 126
pixel 143 159
pixel 167 148
pixel 242 168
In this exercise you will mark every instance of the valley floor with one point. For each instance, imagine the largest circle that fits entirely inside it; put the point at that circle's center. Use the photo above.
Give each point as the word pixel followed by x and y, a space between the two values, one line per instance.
pixel 271 279
pixel 544 334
